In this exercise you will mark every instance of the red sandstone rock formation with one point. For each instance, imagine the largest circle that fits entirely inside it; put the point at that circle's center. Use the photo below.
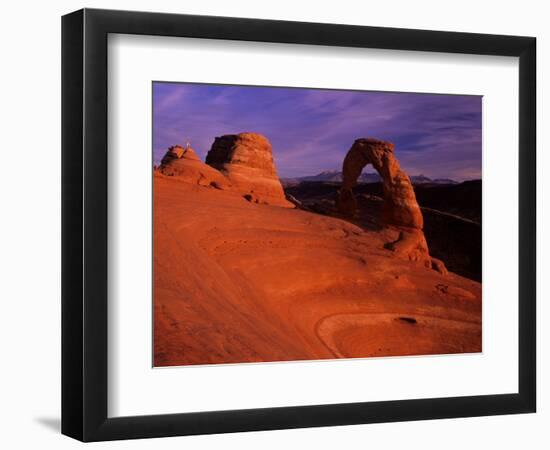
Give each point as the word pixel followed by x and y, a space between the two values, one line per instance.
pixel 246 159
pixel 400 206
pixel 401 209
pixel 185 164
pixel 237 282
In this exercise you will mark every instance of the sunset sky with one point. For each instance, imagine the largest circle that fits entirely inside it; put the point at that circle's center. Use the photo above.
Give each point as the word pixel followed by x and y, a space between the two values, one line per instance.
pixel 312 129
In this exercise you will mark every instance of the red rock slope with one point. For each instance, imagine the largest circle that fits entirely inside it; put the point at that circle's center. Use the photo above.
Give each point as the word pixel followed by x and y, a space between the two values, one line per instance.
pixel 237 281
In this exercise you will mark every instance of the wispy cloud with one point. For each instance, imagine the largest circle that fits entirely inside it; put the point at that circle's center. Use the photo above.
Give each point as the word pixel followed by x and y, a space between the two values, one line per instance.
pixel 311 130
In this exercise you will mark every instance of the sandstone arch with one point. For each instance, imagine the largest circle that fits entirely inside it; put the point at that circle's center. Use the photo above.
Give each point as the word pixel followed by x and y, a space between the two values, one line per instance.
pixel 400 206
pixel 401 209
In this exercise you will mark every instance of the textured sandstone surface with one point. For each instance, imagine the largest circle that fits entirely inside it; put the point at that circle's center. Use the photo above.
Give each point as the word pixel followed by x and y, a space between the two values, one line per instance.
pixel 401 209
pixel 246 159
pixel 236 282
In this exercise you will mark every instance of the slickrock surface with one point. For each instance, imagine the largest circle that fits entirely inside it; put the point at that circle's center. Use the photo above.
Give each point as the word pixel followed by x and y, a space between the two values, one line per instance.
pixel 247 161
pixel 236 281
pixel 400 206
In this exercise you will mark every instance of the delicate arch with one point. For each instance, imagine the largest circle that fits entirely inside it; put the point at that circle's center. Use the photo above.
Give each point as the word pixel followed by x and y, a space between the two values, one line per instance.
pixel 400 205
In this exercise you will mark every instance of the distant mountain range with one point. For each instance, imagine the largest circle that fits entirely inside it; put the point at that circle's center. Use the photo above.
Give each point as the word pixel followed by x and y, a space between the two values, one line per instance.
pixel 336 177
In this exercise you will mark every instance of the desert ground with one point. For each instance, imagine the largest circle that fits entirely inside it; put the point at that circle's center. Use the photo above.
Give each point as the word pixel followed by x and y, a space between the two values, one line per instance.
pixel 249 277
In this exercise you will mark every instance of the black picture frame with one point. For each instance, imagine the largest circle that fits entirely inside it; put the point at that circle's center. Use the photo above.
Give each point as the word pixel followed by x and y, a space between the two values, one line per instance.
pixel 84 224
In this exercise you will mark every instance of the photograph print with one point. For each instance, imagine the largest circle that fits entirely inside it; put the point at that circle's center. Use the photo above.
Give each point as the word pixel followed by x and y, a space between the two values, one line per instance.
pixel 294 224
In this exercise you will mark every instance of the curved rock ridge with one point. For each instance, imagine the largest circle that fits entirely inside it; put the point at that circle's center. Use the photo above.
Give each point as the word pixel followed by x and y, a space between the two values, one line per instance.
pixel 400 206
pixel 186 165
pixel 246 159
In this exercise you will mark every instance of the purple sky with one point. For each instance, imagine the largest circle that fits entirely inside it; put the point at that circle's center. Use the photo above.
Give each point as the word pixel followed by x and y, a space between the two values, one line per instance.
pixel 312 129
